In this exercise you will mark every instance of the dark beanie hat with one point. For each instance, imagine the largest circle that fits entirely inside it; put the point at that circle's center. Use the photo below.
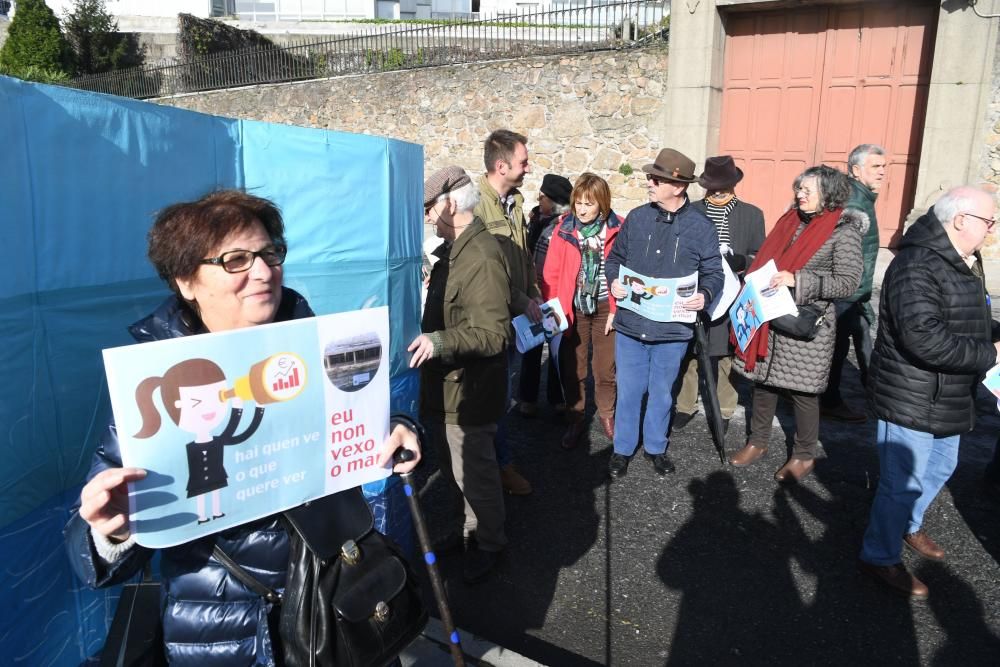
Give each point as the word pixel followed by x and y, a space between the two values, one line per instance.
pixel 557 188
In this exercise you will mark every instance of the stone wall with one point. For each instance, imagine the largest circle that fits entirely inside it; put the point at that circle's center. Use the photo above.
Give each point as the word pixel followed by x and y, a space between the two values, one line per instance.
pixel 588 112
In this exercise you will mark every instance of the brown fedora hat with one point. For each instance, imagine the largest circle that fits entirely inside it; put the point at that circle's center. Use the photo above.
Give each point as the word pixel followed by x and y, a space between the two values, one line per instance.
pixel 721 173
pixel 673 166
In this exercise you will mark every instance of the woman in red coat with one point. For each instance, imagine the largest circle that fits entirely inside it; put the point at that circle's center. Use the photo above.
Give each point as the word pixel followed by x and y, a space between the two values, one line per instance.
pixel 574 272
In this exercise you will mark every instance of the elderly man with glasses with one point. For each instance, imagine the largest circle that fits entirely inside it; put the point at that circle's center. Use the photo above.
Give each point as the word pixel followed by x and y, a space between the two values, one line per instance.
pixel 666 238
pixel 935 342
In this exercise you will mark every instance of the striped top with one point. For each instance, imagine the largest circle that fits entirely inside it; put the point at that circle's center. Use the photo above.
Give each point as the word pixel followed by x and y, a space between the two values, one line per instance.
pixel 720 216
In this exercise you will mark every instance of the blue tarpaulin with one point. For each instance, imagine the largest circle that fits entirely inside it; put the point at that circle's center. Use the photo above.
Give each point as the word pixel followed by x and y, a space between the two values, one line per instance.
pixel 83 176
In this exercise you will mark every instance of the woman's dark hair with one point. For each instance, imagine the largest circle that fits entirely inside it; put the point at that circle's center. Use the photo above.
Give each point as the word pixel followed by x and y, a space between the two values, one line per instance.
pixel 834 188
pixel 185 233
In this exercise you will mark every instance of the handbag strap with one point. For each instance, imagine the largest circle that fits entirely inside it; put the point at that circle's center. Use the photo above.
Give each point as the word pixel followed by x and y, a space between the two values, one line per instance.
pixel 245 577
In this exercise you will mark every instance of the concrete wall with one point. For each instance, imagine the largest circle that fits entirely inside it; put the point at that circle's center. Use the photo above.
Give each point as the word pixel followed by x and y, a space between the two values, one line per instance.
pixel 989 161
pixel 589 112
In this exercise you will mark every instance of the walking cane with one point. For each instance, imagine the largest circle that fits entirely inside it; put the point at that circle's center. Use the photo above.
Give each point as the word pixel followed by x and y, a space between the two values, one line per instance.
pixel 409 488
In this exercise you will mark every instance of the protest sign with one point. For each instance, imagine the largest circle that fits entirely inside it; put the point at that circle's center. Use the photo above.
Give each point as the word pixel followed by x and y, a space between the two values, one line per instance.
pixel 658 299
pixel 758 302
pixel 530 334
pixel 239 425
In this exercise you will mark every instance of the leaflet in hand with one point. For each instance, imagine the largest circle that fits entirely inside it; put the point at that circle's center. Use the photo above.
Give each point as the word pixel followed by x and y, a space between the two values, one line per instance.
pixel 242 424
pixel 658 299
pixel 530 335
pixel 730 290
pixel 992 383
pixel 759 303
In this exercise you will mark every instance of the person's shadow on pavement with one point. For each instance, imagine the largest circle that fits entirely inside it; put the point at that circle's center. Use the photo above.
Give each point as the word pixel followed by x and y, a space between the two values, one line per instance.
pixel 732 569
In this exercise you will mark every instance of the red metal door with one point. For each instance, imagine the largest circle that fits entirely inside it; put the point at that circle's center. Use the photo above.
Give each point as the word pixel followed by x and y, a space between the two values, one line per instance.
pixel 803 87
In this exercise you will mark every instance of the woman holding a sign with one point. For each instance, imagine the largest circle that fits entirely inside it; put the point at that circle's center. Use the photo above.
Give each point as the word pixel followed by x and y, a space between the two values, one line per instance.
pixel 816 247
pixel 574 272
pixel 222 257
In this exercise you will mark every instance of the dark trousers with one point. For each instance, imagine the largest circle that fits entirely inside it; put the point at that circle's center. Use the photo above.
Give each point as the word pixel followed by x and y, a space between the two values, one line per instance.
pixel 765 404
pixel 531 364
pixel 851 325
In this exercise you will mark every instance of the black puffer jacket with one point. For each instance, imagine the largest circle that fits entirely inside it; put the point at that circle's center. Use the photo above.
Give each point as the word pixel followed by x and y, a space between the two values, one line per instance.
pixel 934 336
pixel 209 618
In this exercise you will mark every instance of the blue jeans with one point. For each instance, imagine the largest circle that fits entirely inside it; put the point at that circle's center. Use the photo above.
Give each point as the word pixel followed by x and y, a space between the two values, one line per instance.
pixel 641 368
pixel 913 466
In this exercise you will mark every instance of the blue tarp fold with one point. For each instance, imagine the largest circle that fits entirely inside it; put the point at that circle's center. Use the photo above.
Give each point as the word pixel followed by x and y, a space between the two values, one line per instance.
pixel 84 174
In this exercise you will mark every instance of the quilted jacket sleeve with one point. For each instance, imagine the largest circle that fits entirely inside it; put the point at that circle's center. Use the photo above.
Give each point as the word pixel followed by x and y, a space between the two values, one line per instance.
pixel 80 548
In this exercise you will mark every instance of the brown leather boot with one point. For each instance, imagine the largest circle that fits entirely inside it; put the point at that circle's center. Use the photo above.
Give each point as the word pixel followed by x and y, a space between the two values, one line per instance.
pixel 896 578
pixel 749 455
pixel 608 424
pixel 512 481
pixel 922 543
pixel 794 470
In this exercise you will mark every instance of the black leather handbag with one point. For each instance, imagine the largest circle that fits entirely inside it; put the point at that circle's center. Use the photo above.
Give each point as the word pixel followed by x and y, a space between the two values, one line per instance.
pixel 350 598
pixel 805 325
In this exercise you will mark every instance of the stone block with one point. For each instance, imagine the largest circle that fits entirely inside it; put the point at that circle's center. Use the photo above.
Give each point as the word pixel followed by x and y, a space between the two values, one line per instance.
pixel 528 117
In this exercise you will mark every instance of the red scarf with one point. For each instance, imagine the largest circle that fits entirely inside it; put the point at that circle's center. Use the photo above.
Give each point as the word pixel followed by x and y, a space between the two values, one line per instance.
pixel 787 256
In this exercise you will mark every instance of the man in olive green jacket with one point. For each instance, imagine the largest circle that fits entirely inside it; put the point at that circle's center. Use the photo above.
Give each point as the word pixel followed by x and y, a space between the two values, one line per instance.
pixel 855 318
pixel 463 362
pixel 500 207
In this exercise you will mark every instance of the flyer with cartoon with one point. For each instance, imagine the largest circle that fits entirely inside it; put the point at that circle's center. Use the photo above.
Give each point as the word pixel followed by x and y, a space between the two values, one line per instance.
pixel 658 299
pixel 532 334
pixel 992 382
pixel 758 302
pixel 239 425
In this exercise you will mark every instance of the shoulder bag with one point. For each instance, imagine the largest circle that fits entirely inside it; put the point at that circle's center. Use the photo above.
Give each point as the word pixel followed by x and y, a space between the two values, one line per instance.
pixel 804 325
pixel 350 598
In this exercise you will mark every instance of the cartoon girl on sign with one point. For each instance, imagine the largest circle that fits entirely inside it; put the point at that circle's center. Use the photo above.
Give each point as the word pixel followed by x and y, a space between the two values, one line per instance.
pixel 638 288
pixel 194 395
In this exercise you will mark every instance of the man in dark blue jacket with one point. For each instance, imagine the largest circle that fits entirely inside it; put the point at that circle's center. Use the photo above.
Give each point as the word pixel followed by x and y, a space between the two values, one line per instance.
pixel 666 238
pixel 935 342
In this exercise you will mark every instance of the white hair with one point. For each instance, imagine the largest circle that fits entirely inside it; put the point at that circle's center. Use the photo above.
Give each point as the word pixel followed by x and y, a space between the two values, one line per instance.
pixel 957 200
pixel 466 198
pixel 860 154
pixel 559 209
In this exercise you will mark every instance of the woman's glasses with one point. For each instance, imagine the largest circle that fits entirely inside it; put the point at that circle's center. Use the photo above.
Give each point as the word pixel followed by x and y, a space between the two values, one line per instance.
pixel 237 261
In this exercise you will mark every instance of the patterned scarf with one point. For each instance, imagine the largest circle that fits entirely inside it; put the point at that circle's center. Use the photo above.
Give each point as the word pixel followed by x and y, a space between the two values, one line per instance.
pixel 591 254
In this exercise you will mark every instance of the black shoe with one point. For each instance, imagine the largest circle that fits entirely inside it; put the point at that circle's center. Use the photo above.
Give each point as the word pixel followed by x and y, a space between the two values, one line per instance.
pixel 661 463
pixel 454 543
pixel 218 516
pixel 682 419
pixel 478 565
pixel 618 467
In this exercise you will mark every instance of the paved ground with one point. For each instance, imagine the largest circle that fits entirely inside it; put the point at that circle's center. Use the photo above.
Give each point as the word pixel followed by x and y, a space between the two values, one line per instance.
pixel 719 566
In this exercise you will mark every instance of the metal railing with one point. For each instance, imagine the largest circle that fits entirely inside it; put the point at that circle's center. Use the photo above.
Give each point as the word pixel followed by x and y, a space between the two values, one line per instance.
pixel 383 48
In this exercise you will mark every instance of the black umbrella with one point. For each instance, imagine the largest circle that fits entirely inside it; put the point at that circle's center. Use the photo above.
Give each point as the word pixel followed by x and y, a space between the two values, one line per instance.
pixel 709 395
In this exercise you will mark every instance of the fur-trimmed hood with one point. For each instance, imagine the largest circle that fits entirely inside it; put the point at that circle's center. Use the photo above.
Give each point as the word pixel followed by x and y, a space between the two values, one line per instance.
pixel 852 216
